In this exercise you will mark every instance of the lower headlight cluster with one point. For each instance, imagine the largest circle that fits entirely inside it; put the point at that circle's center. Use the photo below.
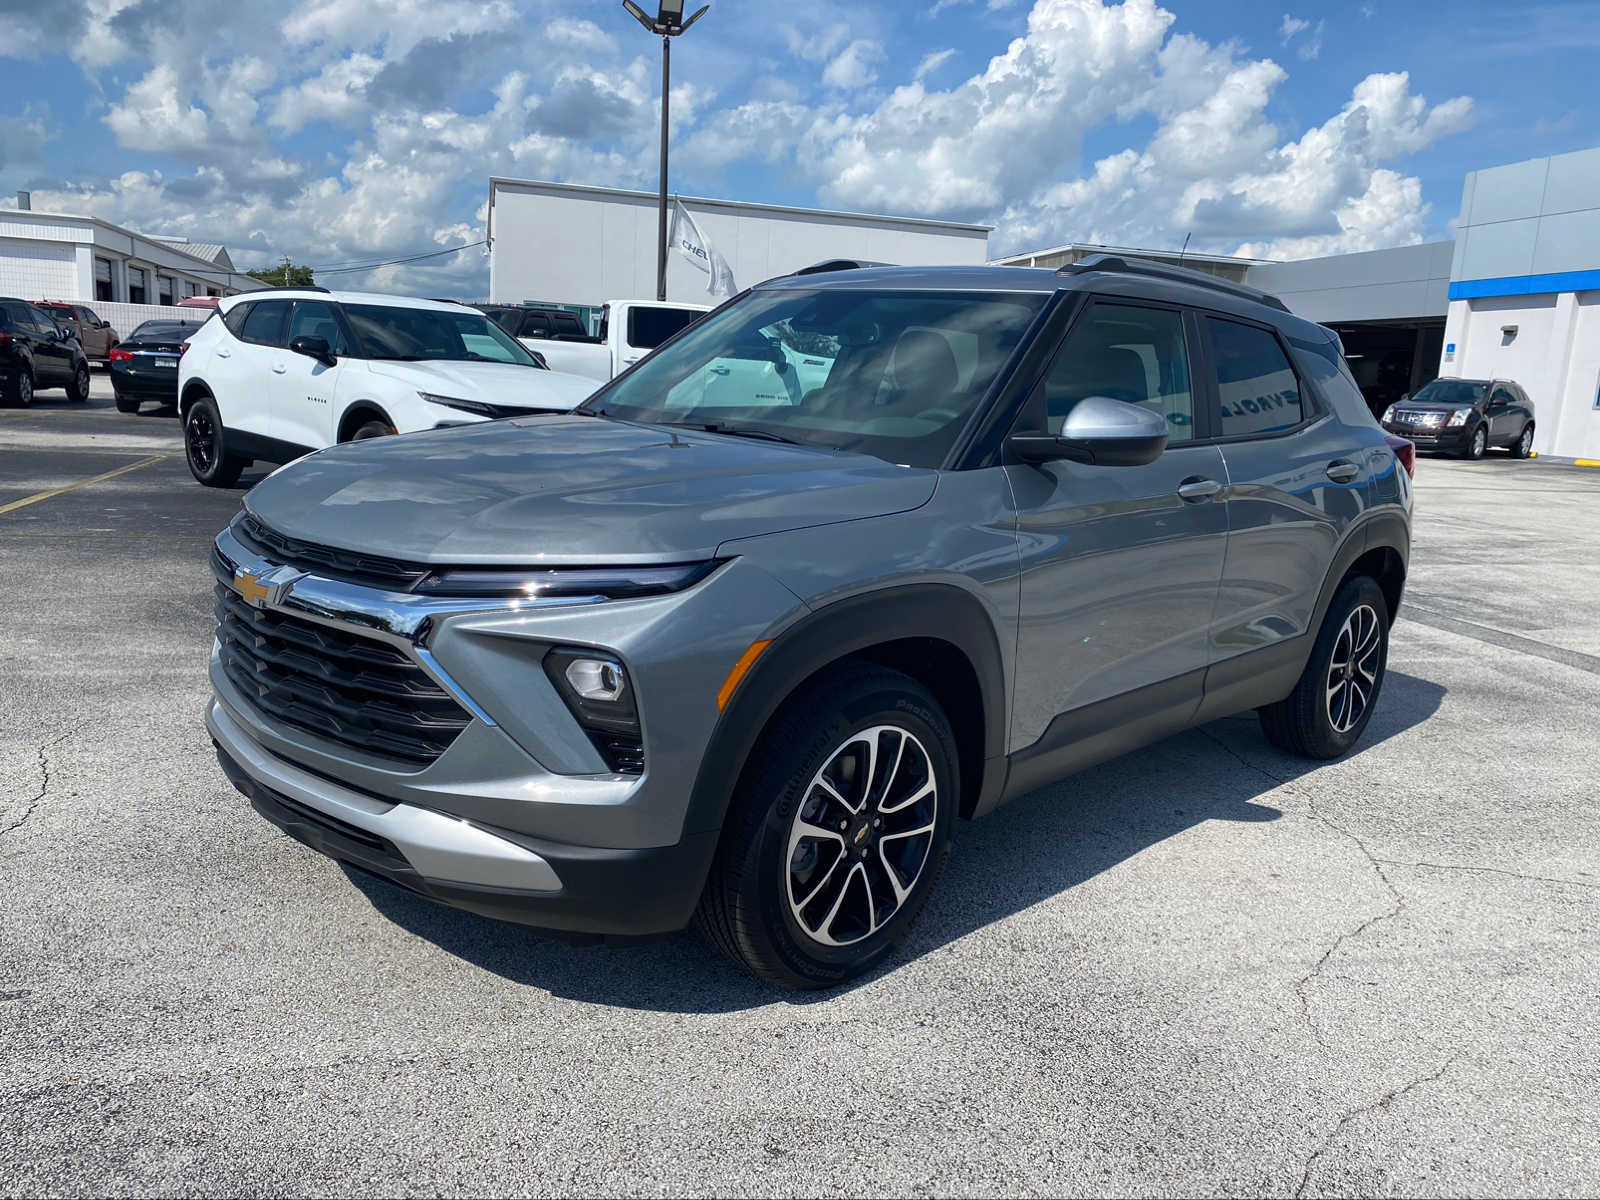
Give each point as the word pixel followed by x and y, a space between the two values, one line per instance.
pixel 598 692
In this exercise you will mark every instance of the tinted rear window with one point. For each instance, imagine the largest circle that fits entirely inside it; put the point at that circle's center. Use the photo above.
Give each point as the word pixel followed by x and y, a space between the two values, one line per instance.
pixel 649 327
pixel 264 324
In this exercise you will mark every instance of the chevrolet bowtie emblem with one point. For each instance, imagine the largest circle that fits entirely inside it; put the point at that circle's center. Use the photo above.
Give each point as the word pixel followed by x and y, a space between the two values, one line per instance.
pixel 262 588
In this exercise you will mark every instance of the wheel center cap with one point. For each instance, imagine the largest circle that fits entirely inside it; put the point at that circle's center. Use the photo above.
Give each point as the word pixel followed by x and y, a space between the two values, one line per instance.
pixel 860 834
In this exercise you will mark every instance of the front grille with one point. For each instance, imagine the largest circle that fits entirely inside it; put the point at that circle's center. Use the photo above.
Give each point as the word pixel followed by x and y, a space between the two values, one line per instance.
pixel 1413 417
pixel 350 689
pixel 330 562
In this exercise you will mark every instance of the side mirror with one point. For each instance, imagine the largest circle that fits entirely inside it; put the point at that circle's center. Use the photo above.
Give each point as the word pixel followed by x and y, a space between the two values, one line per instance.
pixel 103 324
pixel 1099 431
pixel 315 347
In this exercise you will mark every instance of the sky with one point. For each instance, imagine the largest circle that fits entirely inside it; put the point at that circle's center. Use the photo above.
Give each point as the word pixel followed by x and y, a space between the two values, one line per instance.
pixel 344 133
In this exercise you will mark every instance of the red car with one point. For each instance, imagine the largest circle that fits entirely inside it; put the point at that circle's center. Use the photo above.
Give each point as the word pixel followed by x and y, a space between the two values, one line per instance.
pixel 94 335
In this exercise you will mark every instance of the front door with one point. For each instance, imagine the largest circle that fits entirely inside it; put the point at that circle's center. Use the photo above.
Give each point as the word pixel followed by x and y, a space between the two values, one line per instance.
pixel 1504 413
pixel 1120 565
pixel 53 360
pixel 304 388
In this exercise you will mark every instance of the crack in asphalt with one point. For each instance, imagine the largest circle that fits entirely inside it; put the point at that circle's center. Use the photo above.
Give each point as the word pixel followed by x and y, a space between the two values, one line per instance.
pixel 1433 866
pixel 1303 984
pixel 44 782
pixel 1381 1104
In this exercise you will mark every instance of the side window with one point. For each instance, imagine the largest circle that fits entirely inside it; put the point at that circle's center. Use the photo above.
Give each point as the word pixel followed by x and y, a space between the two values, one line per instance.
pixel 567 325
pixel 42 321
pixel 12 313
pixel 264 325
pixel 88 317
pixel 316 318
pixel 1502 395
pixel 1136 355
pixel 1255 383
pixel 234 318
pixel 535 325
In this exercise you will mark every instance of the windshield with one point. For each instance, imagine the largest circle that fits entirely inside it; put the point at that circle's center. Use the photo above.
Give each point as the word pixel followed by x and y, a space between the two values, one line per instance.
pixel 1451 391
pixel 889 373
pixel 411 334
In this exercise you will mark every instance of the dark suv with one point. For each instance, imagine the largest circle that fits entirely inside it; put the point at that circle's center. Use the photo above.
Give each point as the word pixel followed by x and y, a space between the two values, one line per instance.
pixel 1465 417
pixel 861 553
pixel 37 353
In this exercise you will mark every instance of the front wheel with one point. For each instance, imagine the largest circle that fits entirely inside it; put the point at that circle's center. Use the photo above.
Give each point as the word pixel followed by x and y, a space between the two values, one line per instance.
pixel 1329 708
pixel 372 429
pixel 1478 444
pixel 839 831
pixel 205 446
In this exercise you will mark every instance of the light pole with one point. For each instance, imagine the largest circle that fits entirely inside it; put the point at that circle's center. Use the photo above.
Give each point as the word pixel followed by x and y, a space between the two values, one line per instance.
pixel 668 23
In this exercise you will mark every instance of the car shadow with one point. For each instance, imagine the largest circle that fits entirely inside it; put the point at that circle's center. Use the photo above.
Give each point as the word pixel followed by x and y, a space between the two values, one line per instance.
pixel 1038 846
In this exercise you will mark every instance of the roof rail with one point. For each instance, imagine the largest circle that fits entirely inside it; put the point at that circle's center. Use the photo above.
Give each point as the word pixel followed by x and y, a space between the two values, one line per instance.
pixel 839 264
pixel 286 287
pixel 1113 264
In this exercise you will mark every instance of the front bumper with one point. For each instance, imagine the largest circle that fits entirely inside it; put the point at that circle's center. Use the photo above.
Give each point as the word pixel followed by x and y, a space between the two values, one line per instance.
pixel 1433 437
pixel 491 872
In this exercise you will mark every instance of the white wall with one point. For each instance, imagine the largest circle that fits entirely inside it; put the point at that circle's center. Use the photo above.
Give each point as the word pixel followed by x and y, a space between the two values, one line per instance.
pixel 33 270
pixel 587 246
pixel 1554 355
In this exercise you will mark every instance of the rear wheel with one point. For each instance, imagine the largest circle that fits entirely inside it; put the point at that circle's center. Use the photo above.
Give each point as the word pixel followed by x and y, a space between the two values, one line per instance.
pixel 838 833
pixel 205 446
pixel 1523 446
pixel 126 403
pixel 20 393
pixel 78 389
pixel 1329 708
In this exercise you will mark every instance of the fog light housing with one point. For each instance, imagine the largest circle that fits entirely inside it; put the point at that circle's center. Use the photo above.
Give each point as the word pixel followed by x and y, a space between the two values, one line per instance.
pixel 597 691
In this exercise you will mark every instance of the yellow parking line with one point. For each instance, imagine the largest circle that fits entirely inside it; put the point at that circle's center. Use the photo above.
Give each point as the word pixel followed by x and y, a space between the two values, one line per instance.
pixel 1586 462
pixel 72 487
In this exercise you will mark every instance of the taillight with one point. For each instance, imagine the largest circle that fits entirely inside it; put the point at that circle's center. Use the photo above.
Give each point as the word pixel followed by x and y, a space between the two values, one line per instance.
pixel 5 339
pixel 118 354
pixel 1405 453
pixel 183 349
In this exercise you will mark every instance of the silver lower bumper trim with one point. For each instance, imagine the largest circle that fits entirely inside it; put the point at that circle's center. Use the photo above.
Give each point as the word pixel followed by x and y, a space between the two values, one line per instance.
pixel 437 846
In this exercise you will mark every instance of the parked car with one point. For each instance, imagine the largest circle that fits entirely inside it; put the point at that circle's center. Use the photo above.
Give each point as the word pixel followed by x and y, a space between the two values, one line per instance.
pixel 629 330
pixel 199 302
pixel 94 335
pixel 610 670
pixel 145 367
pixel 36 353
pixel 287 371
pixel 1465 417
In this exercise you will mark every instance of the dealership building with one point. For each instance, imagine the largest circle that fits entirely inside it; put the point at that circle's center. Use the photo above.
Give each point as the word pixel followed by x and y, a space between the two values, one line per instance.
pixel 57 256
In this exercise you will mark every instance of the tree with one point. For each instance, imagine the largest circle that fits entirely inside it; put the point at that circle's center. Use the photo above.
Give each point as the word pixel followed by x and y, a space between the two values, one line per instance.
pixel 285 274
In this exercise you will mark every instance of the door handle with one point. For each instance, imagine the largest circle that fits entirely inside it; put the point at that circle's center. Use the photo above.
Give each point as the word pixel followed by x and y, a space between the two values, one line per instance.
pixel 278 368
pixel 1197 489
pixel 224 353
pixel 1341 471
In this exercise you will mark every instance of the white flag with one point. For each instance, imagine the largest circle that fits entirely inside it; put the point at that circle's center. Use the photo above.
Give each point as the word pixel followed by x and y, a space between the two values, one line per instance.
pixel 688 241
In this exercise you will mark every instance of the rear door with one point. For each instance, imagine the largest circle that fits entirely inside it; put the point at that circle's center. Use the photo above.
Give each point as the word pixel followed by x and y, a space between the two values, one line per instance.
pixel 256 360
pixel 1120 565
pixel 1295 482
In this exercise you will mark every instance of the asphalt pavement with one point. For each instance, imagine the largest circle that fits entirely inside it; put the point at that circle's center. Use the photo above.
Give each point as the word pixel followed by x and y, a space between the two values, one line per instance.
pixel 1203 968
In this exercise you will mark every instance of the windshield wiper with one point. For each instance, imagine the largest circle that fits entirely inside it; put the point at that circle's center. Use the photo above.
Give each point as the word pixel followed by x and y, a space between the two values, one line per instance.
pixel 735 431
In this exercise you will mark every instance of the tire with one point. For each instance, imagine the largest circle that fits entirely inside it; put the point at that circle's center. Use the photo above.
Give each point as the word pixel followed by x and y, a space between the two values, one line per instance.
pixel 1313 721
pixel 371 429
pixel 846 718
pixel 205 446
pixel 1478 444
pixel 78 389
pixel 1523 446
pixel 127 404
pixel 20 393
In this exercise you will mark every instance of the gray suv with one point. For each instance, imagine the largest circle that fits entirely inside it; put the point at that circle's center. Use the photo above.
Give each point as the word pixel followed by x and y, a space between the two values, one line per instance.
pixel 862 552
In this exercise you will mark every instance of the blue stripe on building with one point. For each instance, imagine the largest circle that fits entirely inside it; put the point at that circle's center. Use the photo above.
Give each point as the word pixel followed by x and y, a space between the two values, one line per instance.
pixel 1526 285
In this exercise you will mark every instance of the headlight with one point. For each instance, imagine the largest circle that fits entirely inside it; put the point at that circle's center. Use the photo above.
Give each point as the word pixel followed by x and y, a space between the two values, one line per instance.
pixel 492 411
pixel 1459 417
pixel 1388 413
pixel 601 583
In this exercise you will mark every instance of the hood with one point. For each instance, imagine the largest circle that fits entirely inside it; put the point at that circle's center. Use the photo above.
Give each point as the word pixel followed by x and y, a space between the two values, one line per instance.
pixel 491 382
pixel 572 489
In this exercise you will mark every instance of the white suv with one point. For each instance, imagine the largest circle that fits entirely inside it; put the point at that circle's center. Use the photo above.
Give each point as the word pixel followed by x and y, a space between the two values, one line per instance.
pixel 278 374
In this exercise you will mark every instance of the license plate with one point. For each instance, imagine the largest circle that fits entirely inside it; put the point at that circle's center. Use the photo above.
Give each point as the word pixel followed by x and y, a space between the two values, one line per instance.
pixel 171 363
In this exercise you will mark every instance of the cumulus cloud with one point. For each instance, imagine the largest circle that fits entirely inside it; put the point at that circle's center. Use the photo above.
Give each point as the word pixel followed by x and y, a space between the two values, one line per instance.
pixel 854 67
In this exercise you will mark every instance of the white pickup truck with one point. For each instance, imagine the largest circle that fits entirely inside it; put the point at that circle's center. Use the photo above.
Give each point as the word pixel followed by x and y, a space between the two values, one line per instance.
pixel 629 330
